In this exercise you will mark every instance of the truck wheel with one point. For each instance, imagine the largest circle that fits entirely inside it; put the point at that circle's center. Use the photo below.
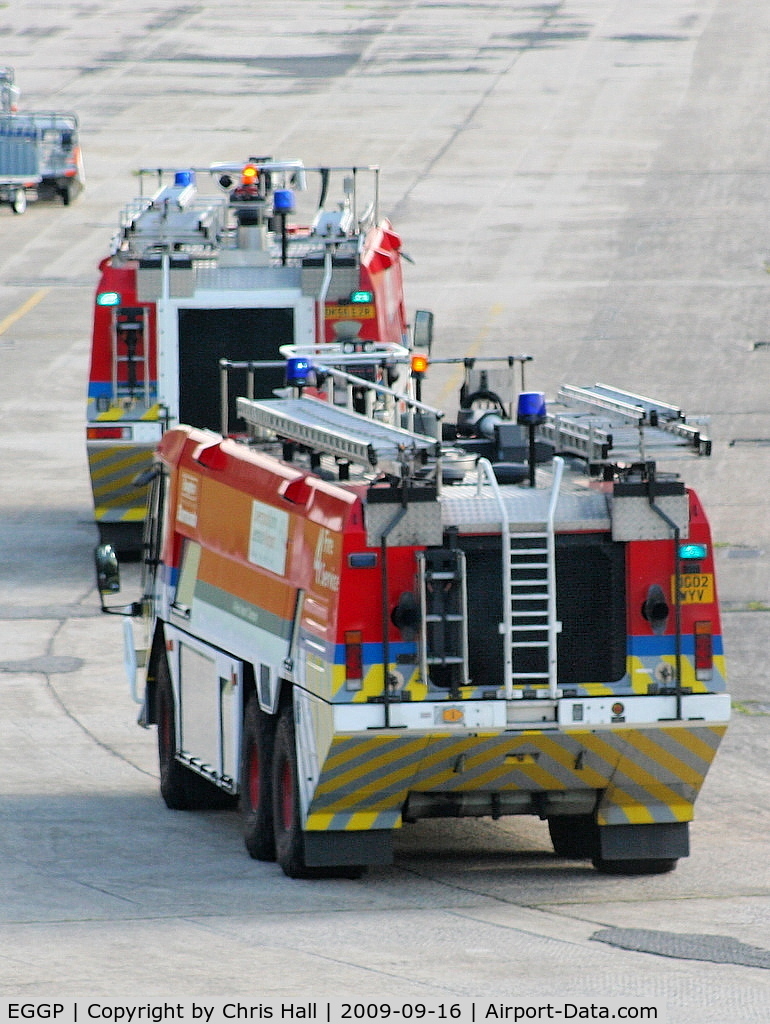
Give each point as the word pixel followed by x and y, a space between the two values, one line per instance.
pixel 256 781
pixel 574 836
pixel 653 866
pixel 289 847
pixel 19 201
pixel 289 842
pixel 181 788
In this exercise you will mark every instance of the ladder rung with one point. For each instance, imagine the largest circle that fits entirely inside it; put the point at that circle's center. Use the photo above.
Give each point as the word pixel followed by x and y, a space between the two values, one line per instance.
pixel 449 660
pixel 531 626
pixel 444 618
pixel 440 575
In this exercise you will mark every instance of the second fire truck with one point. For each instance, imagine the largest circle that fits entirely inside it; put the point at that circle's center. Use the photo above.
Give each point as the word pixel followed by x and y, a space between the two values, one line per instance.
pixel 270 253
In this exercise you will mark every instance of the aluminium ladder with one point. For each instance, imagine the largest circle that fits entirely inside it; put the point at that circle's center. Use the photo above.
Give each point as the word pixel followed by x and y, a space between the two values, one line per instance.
pixel 334 430
pixel 444 617
pixel 603 424
pixel 530 628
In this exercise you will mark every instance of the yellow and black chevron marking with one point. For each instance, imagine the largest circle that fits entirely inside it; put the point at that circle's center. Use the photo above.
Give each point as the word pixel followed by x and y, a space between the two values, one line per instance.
pixel 642 670
pixel 135 412
pixel 113 471
pixel 645 774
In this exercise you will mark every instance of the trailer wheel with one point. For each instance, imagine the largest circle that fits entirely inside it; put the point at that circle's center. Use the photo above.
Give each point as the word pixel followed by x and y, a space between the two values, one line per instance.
pixel 181 788
pixel 19 201
pixel 574 836
pixel 256 781
pixel 653 866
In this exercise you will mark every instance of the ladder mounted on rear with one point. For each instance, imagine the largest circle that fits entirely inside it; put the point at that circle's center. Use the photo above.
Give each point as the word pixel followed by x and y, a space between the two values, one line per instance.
pixel 613 431
pixel 444 617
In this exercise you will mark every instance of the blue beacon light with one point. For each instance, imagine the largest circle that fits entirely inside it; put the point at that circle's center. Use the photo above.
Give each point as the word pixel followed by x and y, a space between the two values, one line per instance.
pixel 283 201
pixel 297 370
pixel 184 178
pixel 529 412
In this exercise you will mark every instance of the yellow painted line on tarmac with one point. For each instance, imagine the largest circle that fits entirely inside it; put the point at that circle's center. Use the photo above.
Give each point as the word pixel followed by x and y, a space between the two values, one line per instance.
pixel 23 309
pixel 453 384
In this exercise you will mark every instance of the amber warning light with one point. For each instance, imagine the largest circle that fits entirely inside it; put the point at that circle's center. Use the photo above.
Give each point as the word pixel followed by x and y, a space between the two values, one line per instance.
pixel 420 364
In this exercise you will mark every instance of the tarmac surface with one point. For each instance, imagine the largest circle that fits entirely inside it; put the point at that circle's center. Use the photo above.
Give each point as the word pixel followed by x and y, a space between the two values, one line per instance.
pixel 587 181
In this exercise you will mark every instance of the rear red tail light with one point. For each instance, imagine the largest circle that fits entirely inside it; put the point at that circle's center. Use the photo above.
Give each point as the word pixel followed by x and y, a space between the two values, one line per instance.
pixel 354 660
pixel 108 433
pixel 704 651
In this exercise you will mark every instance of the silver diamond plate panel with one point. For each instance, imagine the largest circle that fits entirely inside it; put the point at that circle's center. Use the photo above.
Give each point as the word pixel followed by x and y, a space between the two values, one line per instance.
pixel 236 278
pixel 420 526
pixel 527 509
pixel 633 519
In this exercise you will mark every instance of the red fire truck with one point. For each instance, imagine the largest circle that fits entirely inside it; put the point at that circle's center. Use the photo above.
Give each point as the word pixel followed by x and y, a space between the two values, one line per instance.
pixel 260 259
pixel 363 616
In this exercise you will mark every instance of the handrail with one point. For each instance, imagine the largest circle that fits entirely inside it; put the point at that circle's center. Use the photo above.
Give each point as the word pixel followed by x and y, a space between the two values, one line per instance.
pixel 485 466
pixel 486 474
pixel 554 627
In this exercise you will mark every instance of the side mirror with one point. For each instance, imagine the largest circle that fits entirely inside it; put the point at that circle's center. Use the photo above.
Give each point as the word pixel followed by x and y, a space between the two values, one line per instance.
pixel 422 331
pixel 108 580
pixel 107 569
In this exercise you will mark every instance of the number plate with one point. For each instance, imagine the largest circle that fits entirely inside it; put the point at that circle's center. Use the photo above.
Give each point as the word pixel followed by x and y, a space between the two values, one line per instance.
pixel 697 587
pixel 355 311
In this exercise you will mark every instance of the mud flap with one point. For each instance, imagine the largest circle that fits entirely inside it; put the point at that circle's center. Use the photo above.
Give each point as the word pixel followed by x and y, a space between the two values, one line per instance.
pixel 644 842
pixel 337 848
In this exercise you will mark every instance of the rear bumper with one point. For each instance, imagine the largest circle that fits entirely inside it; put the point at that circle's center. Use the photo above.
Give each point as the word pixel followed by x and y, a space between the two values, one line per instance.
pixel 623 774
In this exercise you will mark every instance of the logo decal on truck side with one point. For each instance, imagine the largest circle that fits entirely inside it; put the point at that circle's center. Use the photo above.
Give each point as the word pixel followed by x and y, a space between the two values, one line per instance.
pixel 268 537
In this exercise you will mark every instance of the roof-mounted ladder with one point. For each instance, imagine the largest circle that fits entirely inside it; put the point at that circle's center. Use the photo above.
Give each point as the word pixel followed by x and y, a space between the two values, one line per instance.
pixel 605 424
pixel 332 430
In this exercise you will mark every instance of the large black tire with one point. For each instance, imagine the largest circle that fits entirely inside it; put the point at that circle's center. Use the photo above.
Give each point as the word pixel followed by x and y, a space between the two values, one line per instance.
pixel 257 781
pixel 653 866
pixel 289 846
pixel 289 842
pixel 181 788
pixel 574 836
